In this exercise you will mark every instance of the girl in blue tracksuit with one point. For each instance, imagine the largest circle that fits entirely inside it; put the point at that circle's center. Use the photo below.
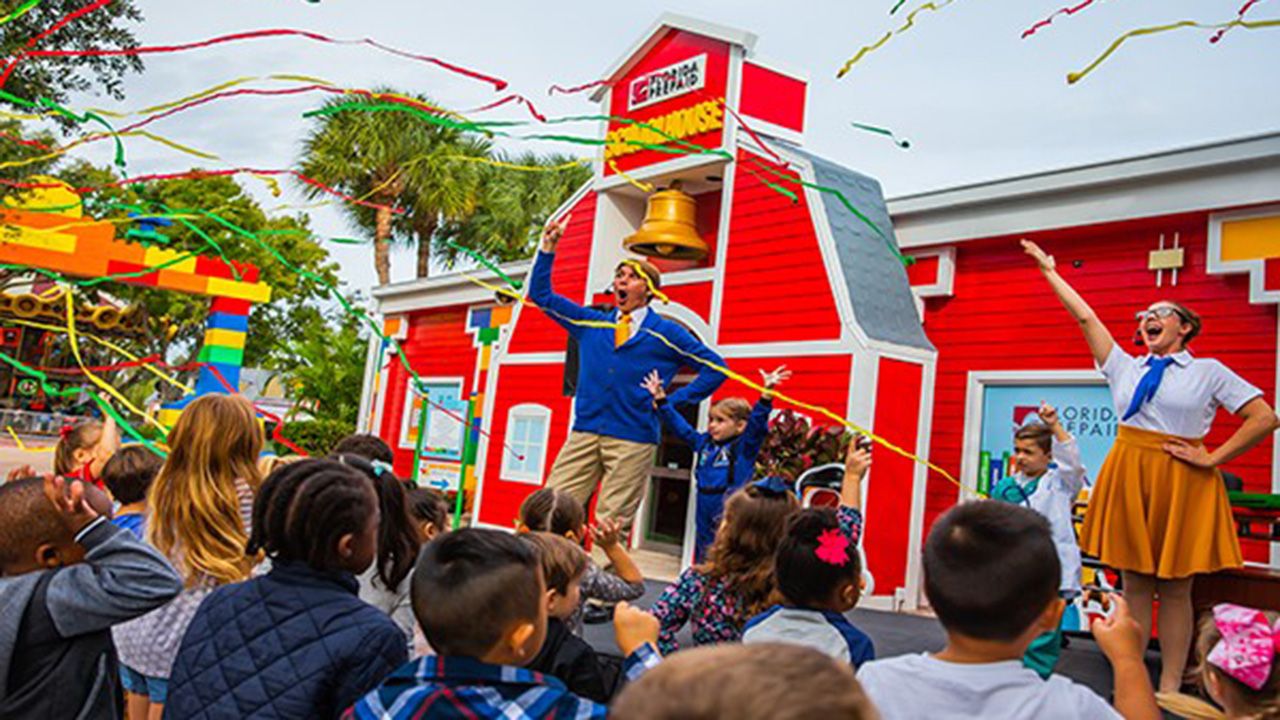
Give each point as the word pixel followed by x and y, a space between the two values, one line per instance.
pixel 725 455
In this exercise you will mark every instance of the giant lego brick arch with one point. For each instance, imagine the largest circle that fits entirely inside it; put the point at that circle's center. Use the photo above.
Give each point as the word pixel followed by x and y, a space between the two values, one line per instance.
pixel 46 229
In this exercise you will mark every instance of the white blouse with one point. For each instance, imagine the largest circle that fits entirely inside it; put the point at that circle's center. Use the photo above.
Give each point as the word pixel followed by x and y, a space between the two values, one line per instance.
pixel 1189 396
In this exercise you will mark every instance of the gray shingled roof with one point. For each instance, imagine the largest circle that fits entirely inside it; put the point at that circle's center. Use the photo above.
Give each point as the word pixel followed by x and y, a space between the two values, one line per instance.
pixel 878 285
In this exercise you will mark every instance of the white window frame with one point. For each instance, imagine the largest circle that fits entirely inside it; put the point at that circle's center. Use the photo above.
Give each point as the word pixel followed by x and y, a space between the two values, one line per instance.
pixel 531 411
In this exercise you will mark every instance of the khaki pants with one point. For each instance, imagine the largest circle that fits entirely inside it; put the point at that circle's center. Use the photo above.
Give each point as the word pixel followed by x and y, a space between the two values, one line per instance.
pixel 624 465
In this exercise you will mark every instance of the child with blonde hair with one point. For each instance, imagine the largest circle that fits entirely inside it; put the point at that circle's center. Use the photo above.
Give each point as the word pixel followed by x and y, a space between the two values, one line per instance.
pixel 199 515
pixel 725 454
pixel 736 582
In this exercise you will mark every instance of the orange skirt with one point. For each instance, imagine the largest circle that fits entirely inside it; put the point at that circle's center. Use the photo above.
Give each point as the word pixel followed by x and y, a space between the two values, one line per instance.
pixel 1152 514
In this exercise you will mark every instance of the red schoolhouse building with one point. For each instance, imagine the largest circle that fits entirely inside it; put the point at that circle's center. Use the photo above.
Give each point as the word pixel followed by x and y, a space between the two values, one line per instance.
pixel 800 268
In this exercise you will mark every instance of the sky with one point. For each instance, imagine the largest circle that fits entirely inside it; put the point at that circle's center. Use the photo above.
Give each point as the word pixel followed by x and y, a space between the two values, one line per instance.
pixel 975 100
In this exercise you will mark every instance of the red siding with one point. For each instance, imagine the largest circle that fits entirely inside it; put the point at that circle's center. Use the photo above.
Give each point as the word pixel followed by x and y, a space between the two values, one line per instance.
pixel 1005 317
pixel 772 97
pixel 924 271
pixel 540 384
pixel 818 380
pixel 888 509
pixel 696 297
pixel 776 284
pixel 534 331
pixel 438 345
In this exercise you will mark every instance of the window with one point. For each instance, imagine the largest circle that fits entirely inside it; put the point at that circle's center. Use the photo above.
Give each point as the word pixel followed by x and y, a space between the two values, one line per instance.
pixel 446 413
pixel 527 429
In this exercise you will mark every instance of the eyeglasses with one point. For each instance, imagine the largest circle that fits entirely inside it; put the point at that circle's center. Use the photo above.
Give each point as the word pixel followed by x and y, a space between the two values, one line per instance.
pixel 1160 313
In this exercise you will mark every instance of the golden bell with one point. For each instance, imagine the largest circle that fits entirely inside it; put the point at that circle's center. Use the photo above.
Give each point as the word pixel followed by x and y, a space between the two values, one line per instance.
pixel 668 231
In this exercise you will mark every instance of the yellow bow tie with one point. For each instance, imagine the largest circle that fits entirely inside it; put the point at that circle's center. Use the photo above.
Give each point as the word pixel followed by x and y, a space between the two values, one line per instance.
pixel 622 332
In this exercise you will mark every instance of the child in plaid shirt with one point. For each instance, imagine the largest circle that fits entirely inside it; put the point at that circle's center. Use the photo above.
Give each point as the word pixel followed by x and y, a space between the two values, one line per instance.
pixel 480 598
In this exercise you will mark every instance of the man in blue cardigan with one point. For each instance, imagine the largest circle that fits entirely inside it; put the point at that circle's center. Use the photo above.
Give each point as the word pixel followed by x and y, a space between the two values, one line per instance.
pixel 615 429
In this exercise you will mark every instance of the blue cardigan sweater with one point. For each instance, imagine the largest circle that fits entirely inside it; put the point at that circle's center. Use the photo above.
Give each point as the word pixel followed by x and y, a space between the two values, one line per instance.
pixel 610 399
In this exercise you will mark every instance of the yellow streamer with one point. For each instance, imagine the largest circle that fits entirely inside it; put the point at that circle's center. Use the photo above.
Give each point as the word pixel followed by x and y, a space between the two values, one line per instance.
pixel 653 289
pixel 23 447
pixel 105 386
pixel 58 152
pixel 186 389
pixel 911 21
pixel 514 166
pixel 743 380
pixel 642 186
pixel 1075 77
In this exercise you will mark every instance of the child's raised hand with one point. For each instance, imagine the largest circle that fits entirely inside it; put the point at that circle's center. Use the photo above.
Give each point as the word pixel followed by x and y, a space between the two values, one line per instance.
pixel 70 501
pixel 857 459
pixel 773 379
pixel 22 471
pixel 653 383
pixel 607 532
pixel 1048 414
pixel 1119 635
pixel 633 627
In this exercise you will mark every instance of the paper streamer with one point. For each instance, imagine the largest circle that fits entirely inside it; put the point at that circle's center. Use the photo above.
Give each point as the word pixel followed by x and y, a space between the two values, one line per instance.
pixel 902 143
pixel 23 447
pixel 497 83
pixel 911 21
pixel 1239 16
pixel 896 5
pixel 1049 20
pixel 485 262
pixel 1073 78
pixel 148 363
pixel 23 141
pixel 742 380
pixel 19 11
pixel 576 88
pixel 643 187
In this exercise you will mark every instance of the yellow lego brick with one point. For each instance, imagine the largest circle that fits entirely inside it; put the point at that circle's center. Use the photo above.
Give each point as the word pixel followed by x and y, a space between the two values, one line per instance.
pixel 253 292
pixel 39 239
pixel 224 338
pixel 159 256
pixel 1251 239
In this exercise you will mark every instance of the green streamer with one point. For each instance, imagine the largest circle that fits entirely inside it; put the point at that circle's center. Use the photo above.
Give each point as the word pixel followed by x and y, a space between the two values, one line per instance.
pixel 485 262
pixel 19 11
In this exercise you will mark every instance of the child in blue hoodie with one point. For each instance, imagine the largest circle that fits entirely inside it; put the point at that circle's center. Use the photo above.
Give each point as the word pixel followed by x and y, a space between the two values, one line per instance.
pixel 725 455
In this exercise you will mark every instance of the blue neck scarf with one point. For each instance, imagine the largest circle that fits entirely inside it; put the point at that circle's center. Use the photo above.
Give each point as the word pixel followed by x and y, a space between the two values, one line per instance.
pixel 1148 385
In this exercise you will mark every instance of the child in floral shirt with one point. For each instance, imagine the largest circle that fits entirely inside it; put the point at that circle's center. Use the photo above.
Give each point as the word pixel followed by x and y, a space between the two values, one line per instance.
pixel 736 581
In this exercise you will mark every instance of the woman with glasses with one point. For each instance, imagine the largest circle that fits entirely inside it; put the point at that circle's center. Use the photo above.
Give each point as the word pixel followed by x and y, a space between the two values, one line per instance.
pixel 1159 511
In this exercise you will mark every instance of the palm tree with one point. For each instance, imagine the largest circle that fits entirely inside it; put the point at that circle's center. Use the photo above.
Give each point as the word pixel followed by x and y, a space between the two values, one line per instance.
pixel 394 160
pixel 512 206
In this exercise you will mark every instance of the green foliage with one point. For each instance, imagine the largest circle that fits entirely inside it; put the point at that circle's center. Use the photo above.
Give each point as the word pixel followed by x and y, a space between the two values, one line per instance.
pixel 325 367
pixel 13 151
pixel 317 437
pixel 793 446
pixel 512 207
pixel 109 27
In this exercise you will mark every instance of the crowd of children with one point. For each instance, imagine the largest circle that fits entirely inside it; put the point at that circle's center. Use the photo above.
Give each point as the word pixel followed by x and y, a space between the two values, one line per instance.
pixel 197 587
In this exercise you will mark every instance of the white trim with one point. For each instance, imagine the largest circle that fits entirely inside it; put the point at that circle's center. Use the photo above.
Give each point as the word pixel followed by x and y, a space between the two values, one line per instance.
pixel 690 319
pixel 443 290
pixel 944 282
pixel 1231 173
pixel 669 21
pixel 975 386
pixel 764 127
pixel 528 411
pixel 919 489
pixel 380 399
pixel 366 386
pixel 545 358
pixel 1275 444
pixel 1257 269
pixel 688 277
pixel 663 168
pixel 727 189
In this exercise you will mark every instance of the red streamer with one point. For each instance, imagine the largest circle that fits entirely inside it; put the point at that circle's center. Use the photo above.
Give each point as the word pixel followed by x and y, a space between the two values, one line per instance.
pixel 1239 16
pixel 510 99
pixel 63 22
pixel 576 88
pixel 28 143
pixel 497 83
pixel 1064 11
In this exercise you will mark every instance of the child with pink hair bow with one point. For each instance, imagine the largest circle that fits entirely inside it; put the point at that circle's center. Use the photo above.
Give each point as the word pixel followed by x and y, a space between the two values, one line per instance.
pixel 1238 650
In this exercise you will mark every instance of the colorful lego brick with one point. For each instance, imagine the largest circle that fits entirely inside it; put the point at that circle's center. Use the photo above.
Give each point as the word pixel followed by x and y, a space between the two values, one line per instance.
pixel 501 316
pixel 71 264
pixel 159 256
pixel 256 292
pixel 488 335
pixel 53 241
pixel 224 338
pixel 230 306
pixel 227 321
pixel 183 282
pixel 484 357
pixel 479 318
pixel 214 268
pixel 120 267
pixel 213 353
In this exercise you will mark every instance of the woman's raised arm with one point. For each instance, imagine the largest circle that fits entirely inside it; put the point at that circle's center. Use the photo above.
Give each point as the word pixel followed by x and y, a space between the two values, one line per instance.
pixel 1095 333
